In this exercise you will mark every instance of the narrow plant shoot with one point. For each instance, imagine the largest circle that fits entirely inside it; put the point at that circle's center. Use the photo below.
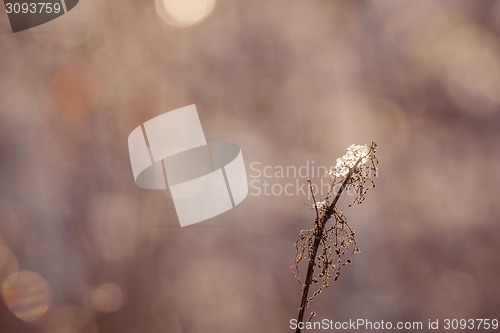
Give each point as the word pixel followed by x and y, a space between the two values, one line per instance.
pixel 328 247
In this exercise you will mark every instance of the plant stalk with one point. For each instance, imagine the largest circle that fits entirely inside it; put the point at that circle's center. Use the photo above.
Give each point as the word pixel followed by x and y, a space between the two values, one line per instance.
pixel 320 224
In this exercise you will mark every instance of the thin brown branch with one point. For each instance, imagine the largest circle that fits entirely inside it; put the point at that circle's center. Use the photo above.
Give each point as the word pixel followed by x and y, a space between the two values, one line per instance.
pixel 314 199
pixel 318 235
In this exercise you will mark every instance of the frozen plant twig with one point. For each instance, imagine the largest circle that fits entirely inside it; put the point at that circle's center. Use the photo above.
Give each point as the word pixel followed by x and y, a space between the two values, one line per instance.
pixel 355 170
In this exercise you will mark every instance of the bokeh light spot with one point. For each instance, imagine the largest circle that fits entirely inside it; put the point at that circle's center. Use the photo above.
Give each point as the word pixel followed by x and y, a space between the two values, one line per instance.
pixel 107 298
pixel 27 295
pixel 184 13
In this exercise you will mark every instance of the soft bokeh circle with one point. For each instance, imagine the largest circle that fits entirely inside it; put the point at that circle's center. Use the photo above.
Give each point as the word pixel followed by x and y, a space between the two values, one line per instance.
pixel 184 13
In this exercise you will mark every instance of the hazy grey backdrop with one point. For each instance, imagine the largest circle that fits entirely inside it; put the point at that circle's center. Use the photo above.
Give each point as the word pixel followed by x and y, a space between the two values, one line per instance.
pixel 290 82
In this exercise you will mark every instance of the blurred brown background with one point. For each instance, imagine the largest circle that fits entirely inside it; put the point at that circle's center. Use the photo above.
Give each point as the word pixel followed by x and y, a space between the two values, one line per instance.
pixel 289 81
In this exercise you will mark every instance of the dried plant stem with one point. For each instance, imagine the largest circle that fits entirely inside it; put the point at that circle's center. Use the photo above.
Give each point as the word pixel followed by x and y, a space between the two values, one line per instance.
pixel 319 228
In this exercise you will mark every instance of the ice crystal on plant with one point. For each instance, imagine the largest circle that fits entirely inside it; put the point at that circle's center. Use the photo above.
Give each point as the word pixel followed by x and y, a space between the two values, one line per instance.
pixel 327 248
pixel 344 163
pixel 320 204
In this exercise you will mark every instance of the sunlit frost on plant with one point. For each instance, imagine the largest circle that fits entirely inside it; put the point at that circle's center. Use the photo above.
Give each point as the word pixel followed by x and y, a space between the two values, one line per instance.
pixel 344 163
pixel 328 246
pixel 320 204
